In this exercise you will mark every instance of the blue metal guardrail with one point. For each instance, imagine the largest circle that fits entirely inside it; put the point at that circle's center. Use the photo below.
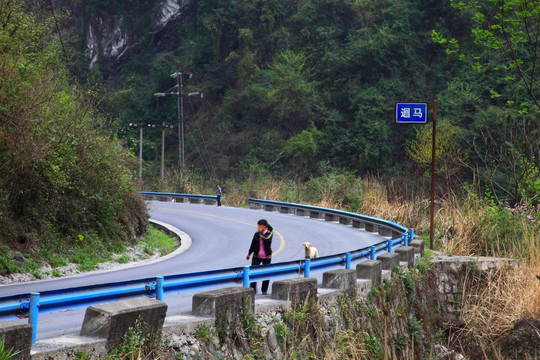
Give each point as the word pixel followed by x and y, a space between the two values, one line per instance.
pixel 33 304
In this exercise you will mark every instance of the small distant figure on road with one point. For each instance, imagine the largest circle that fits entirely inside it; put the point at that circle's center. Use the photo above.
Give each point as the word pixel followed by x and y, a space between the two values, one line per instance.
pixel 218 195
pixel 261 248
pixel 311 251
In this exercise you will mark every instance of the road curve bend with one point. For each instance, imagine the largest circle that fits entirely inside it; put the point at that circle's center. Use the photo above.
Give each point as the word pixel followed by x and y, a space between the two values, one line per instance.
pixel 220 239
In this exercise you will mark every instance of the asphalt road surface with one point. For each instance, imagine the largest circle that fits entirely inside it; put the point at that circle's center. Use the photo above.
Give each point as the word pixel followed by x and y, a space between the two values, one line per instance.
pixel 220 239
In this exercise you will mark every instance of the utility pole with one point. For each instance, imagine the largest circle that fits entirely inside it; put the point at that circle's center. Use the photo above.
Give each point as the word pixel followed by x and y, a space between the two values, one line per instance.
pixel 180 105
pixel 140 126
pixel 140 152
pixel 180 111
pixel 163 128
pixel 433 154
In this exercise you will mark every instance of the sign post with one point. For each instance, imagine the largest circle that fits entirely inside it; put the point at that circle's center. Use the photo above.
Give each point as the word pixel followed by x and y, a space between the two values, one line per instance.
pixel 416 113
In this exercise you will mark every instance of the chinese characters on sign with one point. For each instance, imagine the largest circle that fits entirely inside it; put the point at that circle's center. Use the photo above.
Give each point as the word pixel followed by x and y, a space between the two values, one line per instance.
pixel 415 113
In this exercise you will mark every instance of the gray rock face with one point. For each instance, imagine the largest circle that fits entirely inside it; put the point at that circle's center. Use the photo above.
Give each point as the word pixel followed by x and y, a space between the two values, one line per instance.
pixel 18 259
pixel 523 341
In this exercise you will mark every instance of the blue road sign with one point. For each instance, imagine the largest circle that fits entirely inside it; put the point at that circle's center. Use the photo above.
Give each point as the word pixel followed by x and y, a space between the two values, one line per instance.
pixel 411 113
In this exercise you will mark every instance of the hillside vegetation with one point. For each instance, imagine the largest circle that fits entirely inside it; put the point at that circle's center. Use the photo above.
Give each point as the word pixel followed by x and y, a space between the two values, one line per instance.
pixel 64 184
pixel 299 86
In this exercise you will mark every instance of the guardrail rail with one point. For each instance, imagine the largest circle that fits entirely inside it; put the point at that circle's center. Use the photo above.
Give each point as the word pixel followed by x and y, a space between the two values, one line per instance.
pixel 33 304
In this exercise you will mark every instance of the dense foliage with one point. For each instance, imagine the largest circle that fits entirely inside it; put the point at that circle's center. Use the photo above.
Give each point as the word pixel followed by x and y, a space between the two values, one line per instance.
pixel 296 86
pixel 62 180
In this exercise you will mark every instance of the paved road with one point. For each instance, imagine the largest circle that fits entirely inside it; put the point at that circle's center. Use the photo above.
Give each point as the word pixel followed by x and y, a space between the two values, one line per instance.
pixel 220 239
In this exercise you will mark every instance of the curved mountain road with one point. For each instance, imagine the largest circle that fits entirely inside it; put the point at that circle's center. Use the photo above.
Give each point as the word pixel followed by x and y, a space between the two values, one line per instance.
pixel 220 239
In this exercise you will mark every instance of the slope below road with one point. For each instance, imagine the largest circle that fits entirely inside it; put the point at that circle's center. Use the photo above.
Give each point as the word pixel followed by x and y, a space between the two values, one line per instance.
pixel 220 239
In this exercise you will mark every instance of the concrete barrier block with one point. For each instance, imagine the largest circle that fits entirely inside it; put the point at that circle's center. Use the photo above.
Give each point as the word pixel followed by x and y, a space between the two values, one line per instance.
pixel 210 201
pixel 195 200
pixel 384 231
pixel 255 206
pixel 315 215
pixel 270 208
pixel 358 224
pixel 418 246
pixel 406 254
pixel 388 260
pixel 371 227
pixel 180 199
pixel 295 290
pixel 370 270
pixel 345 220
pixel 330 217
pixel 225 305
pixel 302 212
pixel 285 210
pixel 17 336
pixel 342 279
pixel 111 321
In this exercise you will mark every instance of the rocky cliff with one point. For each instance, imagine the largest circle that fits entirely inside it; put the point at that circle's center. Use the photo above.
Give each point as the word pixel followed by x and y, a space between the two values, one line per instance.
pixel 107 33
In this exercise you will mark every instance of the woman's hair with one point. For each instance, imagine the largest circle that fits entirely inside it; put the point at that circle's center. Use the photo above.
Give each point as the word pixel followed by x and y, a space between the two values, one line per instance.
pixel 264 223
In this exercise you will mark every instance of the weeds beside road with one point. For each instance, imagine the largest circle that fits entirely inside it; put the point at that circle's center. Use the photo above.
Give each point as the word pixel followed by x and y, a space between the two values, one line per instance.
pixel 83 255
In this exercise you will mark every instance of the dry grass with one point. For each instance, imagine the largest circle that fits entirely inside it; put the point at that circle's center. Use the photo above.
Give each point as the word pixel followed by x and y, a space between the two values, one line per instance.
pixel 464 226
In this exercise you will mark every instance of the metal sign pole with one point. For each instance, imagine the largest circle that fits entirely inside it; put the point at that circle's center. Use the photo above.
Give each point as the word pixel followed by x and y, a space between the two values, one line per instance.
pixel 433 158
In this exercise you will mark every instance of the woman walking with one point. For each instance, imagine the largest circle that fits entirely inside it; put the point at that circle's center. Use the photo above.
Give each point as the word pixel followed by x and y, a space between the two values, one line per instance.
pixel 261 248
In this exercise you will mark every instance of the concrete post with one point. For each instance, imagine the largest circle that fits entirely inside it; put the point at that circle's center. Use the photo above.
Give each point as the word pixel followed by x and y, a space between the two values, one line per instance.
pixel 225 305
pixel 389 260
pixel 342 279
pixel 372 227
pixel 295 290
pixel 111 321
pixel 17 336
pixel 418 246
pixel 370 270
pixel 406 254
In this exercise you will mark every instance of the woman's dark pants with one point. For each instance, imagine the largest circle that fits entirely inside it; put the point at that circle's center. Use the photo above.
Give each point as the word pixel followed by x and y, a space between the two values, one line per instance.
pixel 258 261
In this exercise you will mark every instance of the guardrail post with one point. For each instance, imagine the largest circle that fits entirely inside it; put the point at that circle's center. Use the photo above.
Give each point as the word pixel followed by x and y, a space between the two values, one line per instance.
pixel 406 240
pixel 348 257
pixel 373 251
pixel 34 311
pixel 307 268
pixel 390 245
pixel 411 234
pixel 245 276
pixel 159 288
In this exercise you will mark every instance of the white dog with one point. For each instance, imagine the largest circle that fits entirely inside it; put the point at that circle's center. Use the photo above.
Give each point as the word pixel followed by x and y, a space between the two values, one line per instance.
pixel 311 251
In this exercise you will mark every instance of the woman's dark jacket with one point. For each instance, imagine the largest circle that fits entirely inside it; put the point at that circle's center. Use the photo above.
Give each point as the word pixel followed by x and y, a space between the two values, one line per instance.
pixel 267 241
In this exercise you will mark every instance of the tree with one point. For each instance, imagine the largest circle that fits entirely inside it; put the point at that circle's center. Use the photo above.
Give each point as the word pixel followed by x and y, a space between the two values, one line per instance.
pixel 510 31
